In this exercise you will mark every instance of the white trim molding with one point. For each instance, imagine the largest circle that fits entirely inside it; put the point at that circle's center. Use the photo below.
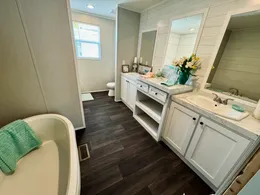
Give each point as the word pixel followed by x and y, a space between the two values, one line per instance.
pixel 94 91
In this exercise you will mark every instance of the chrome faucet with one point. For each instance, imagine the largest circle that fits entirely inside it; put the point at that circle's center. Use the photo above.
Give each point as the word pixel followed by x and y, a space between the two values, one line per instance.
pixel 234 91
pixel 219 100
pixel 225 102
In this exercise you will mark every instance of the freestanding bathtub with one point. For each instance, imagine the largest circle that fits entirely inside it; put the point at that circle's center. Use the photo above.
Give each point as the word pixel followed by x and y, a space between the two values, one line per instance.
pixel 53 169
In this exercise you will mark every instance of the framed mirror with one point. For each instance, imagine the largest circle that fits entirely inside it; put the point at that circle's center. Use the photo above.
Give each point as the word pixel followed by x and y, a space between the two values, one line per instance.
pixel 147 47
pixel 184 35
pixel 235 67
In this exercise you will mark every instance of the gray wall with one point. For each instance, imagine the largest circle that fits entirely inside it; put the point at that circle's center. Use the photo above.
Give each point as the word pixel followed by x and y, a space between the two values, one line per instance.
pixel 147 46
pixel 95 74
pixel 219 55
pixel 127 26
pixel 37 66
pixel 239 65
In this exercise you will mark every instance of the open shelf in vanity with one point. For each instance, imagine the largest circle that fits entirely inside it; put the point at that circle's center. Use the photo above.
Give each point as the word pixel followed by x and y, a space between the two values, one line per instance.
pixel 152 108
pixel 147 122
pixel 148 112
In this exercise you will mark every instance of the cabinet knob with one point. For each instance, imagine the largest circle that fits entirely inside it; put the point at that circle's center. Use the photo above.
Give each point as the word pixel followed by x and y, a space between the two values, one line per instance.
pixel 194 119
pixel 156 93
pixel 141 86
pixel 201 123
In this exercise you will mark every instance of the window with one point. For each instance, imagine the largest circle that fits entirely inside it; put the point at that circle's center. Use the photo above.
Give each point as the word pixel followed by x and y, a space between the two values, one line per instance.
pixel 87 40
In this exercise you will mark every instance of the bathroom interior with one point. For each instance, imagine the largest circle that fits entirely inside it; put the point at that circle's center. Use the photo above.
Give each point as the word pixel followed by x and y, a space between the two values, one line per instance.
pixel 129 97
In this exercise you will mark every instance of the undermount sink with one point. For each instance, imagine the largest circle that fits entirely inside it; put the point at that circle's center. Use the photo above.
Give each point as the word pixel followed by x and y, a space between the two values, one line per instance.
pixel 217 108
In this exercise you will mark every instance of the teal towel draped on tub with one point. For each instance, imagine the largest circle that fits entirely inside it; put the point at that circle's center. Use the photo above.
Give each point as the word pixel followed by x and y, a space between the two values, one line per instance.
pixel 16 140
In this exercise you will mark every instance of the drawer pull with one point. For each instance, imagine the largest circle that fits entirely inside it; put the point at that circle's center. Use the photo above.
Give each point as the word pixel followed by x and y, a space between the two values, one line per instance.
pixel 194 119
pixel 201 123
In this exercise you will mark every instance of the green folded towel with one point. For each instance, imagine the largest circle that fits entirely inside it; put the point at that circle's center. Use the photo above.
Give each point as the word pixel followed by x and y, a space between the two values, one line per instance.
pixel 16 140
pixel 168 83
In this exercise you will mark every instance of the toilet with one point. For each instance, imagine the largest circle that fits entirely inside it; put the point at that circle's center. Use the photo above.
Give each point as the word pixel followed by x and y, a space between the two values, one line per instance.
pixel 111 87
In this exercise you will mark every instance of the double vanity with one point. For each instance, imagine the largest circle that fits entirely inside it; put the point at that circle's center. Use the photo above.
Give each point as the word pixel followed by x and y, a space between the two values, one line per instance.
pixel 214 133
pixel 214 146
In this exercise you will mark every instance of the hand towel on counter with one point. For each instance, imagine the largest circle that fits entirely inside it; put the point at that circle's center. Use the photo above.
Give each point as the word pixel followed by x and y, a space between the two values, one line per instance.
pixel 16 140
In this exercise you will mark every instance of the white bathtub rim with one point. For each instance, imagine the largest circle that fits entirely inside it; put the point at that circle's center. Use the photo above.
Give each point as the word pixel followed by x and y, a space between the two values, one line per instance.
pixel 73 187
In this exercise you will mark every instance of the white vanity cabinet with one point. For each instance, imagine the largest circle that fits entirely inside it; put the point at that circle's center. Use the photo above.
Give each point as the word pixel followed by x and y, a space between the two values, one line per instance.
pixel 180 126
pixel 214 150
pixel 211 149
pixel 128 92
pixel 124 86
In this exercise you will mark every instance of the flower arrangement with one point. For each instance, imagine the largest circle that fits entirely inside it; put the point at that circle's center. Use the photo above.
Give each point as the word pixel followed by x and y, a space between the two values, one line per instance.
pixel 187 67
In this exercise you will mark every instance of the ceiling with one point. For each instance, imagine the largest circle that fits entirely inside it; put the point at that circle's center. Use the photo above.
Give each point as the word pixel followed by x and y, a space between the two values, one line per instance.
pixel 247 20
pixel 184 25
pixel 137 5
pixel 104 7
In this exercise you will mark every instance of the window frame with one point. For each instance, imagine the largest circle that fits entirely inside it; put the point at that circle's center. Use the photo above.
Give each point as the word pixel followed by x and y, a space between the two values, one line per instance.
pixel 98 43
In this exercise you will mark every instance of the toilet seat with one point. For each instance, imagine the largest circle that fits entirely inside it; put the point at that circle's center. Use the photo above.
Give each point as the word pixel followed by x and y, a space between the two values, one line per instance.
pixel 111 85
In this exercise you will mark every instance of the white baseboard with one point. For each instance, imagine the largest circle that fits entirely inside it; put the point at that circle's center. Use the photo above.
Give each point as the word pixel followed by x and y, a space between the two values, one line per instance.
pixel 102 90
pixel 79 128
pixel 117 100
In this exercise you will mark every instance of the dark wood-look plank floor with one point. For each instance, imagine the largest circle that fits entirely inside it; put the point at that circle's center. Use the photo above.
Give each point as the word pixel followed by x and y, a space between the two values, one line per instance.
pixel 125 160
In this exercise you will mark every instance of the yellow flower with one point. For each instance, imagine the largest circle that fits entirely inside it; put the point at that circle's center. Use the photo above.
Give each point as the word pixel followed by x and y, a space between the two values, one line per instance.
pixel 197 58
pixel 194 67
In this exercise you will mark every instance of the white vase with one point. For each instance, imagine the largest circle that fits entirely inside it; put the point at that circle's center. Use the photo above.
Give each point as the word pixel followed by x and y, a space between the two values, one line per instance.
pixel 256 113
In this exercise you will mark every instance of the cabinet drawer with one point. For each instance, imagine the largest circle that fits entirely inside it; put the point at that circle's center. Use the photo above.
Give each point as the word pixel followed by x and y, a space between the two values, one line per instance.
pixel 158 94
pixel 142 86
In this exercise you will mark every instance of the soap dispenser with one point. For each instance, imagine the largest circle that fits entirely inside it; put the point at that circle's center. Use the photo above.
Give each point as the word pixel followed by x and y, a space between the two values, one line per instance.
pixel 256 113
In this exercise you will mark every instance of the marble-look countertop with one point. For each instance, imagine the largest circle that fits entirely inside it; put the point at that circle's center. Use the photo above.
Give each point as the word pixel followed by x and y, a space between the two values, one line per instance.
pixel 172 90
pixel 131 75
pixel 156 82
pixel 249 126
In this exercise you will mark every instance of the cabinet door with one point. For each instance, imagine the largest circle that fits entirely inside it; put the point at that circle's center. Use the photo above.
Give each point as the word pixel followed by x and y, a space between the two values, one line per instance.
pixel 214 150
pixel 180 125
pixel 124 88
pixel 131 95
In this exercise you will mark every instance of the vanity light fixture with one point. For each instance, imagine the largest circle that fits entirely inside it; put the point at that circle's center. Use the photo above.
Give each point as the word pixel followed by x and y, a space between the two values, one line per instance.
pixel 90 6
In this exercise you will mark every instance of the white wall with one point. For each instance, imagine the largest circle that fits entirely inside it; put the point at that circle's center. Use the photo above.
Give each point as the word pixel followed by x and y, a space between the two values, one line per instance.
pixel 20 92
pixel 186 45
pixel 37 61
pixel 160 16
pixel 179 45
pixel 95 74
pixel 172 47
pixel 239 66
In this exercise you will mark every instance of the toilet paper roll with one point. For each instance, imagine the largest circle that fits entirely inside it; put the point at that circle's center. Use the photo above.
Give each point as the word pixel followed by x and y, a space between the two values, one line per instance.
pixel 256 113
